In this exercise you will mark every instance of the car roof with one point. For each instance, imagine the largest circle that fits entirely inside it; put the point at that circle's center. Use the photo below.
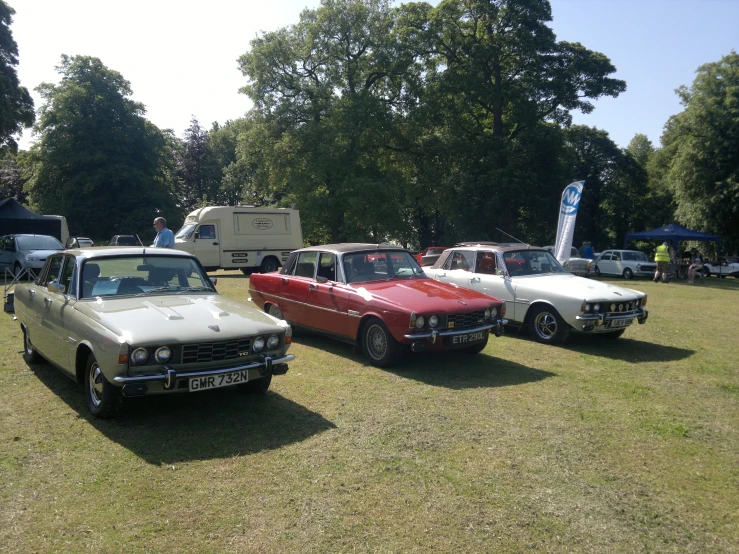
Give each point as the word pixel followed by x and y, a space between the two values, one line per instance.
pixel 498 247
pixel 118 251
pixel 29 235
pixel 344 247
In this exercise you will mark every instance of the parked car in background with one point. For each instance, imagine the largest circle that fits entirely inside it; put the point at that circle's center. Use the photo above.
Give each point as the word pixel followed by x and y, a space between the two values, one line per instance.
pixel 19 252
pixel 540 294
pixel 125 240
pixel 626 263
pixel 378 298
pixel 577 265
pixel 726 267
pixel 130 322
pixel 430 255
pixel 79 242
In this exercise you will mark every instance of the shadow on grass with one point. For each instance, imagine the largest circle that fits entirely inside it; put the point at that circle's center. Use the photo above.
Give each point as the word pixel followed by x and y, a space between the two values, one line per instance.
pixel 453 370
pixel 625 349
pixel 221 423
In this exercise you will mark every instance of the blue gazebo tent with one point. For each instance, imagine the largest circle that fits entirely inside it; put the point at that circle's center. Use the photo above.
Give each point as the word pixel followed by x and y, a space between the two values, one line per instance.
pixel 673 233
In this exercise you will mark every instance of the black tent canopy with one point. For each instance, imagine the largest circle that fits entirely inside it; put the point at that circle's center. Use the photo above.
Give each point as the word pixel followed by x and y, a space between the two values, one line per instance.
pixel 16 219
pixel 673 233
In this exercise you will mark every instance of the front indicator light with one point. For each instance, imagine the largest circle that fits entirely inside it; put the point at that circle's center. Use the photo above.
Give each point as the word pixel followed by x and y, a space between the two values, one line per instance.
pixel 502 310
pixel 140 356
pixel 288 339
pixel 273 342
pixel 258 345
pixel 433 321
pixel 644 302
pixel 163 354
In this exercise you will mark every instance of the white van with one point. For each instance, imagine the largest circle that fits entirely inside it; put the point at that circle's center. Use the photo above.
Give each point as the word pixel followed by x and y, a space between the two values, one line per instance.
pixel 65 229
pixel 241 237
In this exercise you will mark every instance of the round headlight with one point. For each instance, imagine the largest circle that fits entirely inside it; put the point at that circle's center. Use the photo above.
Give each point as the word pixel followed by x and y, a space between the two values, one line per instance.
pixel 273 342
pixel 587 307
pixel 487 313
pixel 163 354
pixel 140 356
pixel 433 321
pixel 420 321
pixel 613 307
pixel 258 344
pixel 493 312
pixel 596 308
pixel 638 302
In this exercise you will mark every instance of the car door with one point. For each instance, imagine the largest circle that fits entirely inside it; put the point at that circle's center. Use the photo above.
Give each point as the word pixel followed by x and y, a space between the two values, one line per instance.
pixel 458 269
pixel 604 263
pixel 617 263
pixel 295 291
pixel 328 297
pixel 58 313
pixel 207 245
pixel 46 338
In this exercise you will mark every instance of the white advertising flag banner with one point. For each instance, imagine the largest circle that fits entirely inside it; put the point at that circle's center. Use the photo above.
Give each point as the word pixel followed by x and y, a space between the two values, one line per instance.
pixel 567 215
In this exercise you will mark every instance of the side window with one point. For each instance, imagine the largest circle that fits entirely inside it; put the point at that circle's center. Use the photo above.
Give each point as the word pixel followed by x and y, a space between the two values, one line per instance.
pixel 461 260
pixel 207 231
pixel 485 263
pixel 306 266
pixel 606 256
pixel 327 266
pixel 67 274
pixel 53 271
pixel 616 257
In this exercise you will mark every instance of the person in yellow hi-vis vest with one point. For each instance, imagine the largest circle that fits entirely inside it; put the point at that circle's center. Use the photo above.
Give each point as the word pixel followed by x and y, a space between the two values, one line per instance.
pixel 662 257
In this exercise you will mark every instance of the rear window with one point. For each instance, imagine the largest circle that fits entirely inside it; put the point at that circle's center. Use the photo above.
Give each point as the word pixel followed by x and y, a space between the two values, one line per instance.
pixel 127 241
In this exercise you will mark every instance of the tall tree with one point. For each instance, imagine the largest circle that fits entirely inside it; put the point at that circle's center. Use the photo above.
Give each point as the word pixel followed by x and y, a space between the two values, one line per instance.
pixel 702 144
pixel 100 162
pixel 16 104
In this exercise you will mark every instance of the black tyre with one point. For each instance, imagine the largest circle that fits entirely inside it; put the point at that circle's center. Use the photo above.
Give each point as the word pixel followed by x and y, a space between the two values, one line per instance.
pixel 246 272
pixel 614 335
pixel 628 274
pixel 547 326
pixel 257 386
pixel 269 265
pixel 29 352
pixel 103 399
pixel 274 311
pixel 476 349
pixel 378 345
pixel 597 271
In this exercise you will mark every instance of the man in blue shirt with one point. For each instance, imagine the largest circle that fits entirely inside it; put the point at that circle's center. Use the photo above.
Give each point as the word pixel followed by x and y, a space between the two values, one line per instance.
pixel 588 251
pixel 165 237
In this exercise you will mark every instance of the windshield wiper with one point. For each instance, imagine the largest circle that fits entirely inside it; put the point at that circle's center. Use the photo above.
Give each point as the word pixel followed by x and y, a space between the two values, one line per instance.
pixel 159 289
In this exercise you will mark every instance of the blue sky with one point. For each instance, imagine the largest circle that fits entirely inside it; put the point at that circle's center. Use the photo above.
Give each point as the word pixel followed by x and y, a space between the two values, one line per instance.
pixel 180 56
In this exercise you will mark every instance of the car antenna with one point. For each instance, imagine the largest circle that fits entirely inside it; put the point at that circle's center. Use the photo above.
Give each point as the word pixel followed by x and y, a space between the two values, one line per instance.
pixel 138 239
pixel 514 238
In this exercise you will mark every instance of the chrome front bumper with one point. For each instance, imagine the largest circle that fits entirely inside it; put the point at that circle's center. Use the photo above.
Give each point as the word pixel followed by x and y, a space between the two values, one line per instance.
pixel 170 376
pixel 433 336
pixel 591 321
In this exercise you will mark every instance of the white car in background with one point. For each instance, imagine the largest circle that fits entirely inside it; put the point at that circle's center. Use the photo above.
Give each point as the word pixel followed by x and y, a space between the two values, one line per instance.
pixel 576 264
pixel 625 263
pixel 540 295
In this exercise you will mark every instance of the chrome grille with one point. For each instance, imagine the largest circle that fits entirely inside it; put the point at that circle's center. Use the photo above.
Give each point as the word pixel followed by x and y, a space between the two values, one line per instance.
pixel 215 351
pixel 470 319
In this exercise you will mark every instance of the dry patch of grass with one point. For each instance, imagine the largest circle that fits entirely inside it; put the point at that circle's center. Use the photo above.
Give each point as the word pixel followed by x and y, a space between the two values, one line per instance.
pixel 626 445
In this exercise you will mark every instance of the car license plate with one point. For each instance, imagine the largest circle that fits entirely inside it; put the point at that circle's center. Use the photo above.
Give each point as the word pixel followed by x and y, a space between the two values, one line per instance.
pixel 469 338
pixel 216 381
pixel 618 323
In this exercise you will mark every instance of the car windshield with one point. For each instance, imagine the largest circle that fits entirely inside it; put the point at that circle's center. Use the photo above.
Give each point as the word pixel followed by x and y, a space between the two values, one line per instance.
pixel 186 231
pixel 379 265
pixel 142 275
pixel 39 242
pixel 531 262
pixel 635 256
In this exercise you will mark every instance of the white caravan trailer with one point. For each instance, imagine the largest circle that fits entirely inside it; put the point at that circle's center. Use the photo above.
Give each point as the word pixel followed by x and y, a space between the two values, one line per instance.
pixel 241 237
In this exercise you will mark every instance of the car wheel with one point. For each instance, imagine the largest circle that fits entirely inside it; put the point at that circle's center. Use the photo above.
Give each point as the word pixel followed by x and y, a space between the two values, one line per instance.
pixel 379 346
pixel 103 399
pixel 268 265
pixel 275 311
pixel 257 386
pixel 628 274
pixel 597 271
pixel 246 272
pixel 478 347
pixel 546 326
pixel 613 335
pixel 30 355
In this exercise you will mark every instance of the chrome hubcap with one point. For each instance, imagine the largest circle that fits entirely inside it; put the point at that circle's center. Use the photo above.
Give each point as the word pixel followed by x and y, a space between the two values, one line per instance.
pixel 274 311
pixel 545 325
pixel 376 342
pixel 96 384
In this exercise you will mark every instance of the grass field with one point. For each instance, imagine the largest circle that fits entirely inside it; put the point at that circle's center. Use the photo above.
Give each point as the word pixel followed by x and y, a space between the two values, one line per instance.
pixel 597 446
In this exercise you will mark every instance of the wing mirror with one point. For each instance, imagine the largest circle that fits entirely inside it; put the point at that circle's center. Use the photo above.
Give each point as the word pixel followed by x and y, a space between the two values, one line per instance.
pixel 214 280
pixel 57 288
pixel 321 279
pixel 499 272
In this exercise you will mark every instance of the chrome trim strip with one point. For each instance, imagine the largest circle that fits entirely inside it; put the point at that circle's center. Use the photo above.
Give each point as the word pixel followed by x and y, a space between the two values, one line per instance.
pixel 449 333
pixel 171 374
pixel 597 317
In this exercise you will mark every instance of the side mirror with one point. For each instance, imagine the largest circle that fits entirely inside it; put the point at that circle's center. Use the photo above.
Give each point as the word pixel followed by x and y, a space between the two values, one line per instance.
pixel 214 280
pixel 499 272
pixel 321 279
pixel 196 235
pixel 55 287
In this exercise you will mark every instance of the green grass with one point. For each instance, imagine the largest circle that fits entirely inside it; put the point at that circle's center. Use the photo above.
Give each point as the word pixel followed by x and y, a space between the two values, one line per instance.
pixel 600 445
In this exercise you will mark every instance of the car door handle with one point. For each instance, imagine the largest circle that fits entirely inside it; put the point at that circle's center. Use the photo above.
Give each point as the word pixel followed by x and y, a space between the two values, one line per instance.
pixel 311 286
pixel 48 300
pixel 475 280
pixel 215 244
pixel 441 274
pixel 31 292
pixel 284 281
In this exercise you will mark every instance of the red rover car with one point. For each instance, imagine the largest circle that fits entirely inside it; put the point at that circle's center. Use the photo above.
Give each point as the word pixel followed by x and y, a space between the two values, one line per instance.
pixel 379 298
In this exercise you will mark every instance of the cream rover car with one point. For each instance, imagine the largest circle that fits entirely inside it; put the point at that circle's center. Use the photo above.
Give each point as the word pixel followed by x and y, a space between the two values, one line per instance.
pixel 540 294
pixel 136 321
